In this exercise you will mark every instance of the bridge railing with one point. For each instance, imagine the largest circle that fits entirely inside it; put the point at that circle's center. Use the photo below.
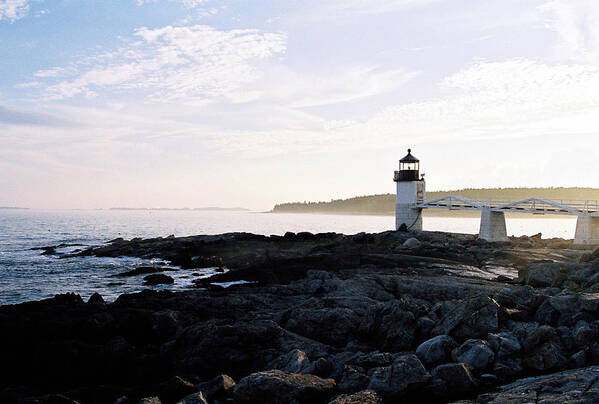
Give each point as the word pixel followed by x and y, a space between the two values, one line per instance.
pixel 535 205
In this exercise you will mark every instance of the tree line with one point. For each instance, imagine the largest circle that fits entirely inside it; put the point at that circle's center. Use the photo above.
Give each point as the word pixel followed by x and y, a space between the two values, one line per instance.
pixel 385 203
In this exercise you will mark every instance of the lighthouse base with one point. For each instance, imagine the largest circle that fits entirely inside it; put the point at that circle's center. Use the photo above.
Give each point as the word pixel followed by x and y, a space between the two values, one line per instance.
pixel 406 214
pixel 587 230
pixel 492 226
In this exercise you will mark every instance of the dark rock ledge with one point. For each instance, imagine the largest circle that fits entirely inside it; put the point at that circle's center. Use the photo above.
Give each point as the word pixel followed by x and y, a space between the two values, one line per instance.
pixel 368 318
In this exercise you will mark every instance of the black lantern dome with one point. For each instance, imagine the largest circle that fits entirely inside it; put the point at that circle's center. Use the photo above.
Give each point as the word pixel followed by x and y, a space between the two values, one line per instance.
pixel 409 168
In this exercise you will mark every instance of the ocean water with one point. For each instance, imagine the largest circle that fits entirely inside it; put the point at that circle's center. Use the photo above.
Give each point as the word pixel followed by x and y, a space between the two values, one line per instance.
pixel 26 275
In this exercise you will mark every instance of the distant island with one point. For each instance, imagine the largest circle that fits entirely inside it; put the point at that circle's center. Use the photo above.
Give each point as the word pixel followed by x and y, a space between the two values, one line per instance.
pixel 211 208
pixel 12 208
pixel 384 204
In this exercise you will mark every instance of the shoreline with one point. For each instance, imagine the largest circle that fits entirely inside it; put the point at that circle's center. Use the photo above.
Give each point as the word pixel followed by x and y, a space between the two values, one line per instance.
pixel 436 213
pixel 333 317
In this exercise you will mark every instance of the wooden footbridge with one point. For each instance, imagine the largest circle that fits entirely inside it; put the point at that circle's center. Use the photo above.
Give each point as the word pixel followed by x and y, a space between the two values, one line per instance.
pixel 493 226
pixel 535 206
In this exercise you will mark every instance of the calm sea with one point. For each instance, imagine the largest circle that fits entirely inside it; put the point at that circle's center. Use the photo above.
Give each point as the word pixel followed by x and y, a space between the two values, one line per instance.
pixel 27 275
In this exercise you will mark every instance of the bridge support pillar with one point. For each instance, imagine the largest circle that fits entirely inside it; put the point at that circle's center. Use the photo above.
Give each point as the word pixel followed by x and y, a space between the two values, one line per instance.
pixel 492 226
pixel 409 215
pixel 587 230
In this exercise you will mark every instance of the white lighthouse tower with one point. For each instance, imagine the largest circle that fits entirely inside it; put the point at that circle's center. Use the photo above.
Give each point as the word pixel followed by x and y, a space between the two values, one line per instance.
pixel 410 191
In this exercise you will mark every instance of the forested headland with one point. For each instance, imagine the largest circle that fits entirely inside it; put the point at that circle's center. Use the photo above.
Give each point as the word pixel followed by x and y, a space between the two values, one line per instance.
pixel 384 204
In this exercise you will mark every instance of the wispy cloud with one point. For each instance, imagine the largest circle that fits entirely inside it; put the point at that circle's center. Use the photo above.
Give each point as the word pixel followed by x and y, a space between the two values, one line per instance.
pixel 298 90
pixel 375 6
pixel 186 3
pixel 12 10
pixel 514 98
pixel 193 63
pixel 55 72
pixel 28 84
pixel 11 116
pixel 576 23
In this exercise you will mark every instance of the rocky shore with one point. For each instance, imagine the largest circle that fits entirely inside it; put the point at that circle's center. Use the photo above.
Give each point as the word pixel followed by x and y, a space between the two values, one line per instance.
pixel 322 318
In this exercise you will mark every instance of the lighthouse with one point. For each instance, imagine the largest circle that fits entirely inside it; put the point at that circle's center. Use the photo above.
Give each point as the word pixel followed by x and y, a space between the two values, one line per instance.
pixel 410 192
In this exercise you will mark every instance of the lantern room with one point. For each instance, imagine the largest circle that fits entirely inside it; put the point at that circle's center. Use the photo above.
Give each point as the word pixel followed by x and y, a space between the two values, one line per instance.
pixel 409 169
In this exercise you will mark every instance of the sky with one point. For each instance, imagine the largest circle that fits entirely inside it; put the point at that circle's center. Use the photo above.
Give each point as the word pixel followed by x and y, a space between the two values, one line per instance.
pixel 194 103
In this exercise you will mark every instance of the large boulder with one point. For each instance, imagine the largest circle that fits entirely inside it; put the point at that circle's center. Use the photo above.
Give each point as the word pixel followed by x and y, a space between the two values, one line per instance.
pixel 353 379
pixel 475 353
pixel 584 334
pixel 540 274
pixel 277 387
pixel 436 350
pixel 540 335
pixel 548 356
pixel 158 279
pixel 332 326
pixel 518 297
pixel 470 318
pixel 456 377
pixel 405 374
pixel 235 349
pixel 504 344
pixel 389 326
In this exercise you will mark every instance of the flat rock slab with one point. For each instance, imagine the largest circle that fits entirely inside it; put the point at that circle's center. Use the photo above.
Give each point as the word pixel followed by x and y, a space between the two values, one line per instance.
pixel 278 387
pixel 571 387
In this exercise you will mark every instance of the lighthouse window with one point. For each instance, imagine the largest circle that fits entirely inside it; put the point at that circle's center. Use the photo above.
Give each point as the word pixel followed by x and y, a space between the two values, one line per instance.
pixel 409 166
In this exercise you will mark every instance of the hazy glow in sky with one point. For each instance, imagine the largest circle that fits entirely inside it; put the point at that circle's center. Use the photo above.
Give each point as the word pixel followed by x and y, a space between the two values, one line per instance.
pixel 173 103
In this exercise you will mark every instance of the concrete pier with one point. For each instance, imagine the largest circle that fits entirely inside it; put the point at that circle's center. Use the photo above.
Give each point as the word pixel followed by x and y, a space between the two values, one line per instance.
pixel 409 215
pixel 492 226
pixel 587 230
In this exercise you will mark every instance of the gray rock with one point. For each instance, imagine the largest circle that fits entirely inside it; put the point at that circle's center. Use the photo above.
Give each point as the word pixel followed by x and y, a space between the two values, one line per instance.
pixel 507 367
pixel 577 360
pixel 334 326
pixel 471 318
pixel 564 303
pixel 504 344
pixel 390 325
pixel 540 274
pixel 475 353
pixel 456 377
pixel 295 361
pixel 373 360
pixel 424 327
pixel 150 400
pixel 405 374
pixel 217 387
pixel 277 387
pixel 96 298
pixel 572 387
pixel 195 398
pixel 540 335
pixel 517 297
pixel 363 397
pixel 412 243
pixel 353 380
pixel 583 334
pixel 158 279
pixel 436 350
pixel 548 356
pixel 175 388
